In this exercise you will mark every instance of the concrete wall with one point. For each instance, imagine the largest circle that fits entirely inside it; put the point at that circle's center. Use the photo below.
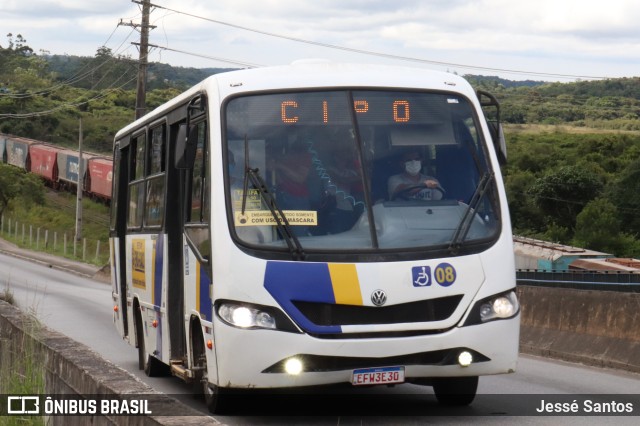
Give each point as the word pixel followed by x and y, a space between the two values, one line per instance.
pixel 599 328
pixel 72 368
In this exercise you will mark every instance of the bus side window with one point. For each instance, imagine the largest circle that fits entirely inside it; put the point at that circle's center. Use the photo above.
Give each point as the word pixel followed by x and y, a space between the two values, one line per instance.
pixel 197 227
pixel 154 207
pixel 137 184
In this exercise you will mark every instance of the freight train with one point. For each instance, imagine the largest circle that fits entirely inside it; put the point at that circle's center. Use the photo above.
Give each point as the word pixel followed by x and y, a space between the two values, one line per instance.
pixel 59 167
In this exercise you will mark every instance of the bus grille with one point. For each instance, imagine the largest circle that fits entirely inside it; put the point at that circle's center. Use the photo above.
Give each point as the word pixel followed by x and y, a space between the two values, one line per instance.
pixel 327 314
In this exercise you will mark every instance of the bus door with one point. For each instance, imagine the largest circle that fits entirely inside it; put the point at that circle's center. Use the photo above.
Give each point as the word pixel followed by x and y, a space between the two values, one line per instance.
pixel 189 242
pixel 174 220
pixel 118 235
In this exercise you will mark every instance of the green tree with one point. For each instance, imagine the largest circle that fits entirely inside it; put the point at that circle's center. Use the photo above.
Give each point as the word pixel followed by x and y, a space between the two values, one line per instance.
pixel 598 227
pixel 17 184
pixel 562 193
pixel 624 194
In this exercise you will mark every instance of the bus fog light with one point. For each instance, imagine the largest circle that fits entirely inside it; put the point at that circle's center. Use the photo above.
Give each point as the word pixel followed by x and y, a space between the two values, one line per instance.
pixel 465 359
pixel 293 366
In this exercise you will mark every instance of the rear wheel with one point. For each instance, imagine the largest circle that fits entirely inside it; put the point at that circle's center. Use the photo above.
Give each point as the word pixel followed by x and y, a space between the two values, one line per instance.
pixel 151 365
pixel 155 368
pixel 142 353
pixel 455 391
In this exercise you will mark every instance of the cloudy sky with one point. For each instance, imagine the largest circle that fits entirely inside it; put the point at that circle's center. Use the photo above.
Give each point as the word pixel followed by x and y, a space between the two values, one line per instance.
pixel 560 40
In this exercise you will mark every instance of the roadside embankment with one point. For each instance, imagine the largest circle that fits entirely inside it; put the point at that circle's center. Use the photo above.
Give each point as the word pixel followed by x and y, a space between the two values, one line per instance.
pixel 593 327
pixel 73 370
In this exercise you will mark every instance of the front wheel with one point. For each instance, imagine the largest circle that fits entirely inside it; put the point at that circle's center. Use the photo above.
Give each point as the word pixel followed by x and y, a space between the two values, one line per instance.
pixel 455 391
pixel 214 397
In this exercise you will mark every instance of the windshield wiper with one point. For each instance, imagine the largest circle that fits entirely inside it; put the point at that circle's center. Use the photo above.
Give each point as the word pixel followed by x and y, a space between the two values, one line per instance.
pixel 467 219
pixel 285 229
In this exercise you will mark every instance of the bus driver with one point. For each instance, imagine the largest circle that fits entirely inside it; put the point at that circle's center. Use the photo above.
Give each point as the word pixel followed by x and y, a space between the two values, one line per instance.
pixel 411 183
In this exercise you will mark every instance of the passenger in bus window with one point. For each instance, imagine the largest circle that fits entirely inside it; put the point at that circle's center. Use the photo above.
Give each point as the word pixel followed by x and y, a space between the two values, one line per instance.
pixel 412 184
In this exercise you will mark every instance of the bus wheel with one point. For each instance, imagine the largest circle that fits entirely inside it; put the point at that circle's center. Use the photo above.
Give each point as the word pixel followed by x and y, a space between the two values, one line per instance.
pixel 455 391
pixel 142 354
pixel 155 368
pixel 214 396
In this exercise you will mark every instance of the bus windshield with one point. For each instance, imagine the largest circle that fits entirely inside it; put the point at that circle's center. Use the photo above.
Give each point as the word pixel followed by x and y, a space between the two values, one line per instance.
pixel 358 170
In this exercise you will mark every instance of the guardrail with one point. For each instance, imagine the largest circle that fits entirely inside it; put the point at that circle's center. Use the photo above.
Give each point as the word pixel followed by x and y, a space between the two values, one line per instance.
pixel 586 280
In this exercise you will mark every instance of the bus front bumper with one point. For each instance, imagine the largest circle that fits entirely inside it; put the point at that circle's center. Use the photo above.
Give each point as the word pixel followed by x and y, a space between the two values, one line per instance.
pixel 258 358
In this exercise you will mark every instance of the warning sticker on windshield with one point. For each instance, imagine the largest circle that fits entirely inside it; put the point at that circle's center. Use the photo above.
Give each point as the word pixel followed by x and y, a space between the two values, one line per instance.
pixel 253 200
pixel 264 217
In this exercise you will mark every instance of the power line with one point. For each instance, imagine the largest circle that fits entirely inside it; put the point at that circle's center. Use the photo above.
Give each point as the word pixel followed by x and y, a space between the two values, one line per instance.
pixel 230 61
pixel 378 54
pixel 67 105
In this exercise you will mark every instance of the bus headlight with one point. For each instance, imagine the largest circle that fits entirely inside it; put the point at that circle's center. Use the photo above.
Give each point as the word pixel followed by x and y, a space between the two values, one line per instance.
pixel 245 317
pixel 500 306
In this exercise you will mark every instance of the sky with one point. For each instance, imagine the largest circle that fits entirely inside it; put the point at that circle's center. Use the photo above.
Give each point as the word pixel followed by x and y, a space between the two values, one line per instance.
pixel 552 40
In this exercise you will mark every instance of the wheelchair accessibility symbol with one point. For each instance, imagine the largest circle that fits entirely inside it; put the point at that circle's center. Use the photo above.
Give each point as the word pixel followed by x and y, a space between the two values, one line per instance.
pixel 421 276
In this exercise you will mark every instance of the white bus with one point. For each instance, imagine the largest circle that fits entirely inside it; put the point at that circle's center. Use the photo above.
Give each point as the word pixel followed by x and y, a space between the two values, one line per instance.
pixel 316 224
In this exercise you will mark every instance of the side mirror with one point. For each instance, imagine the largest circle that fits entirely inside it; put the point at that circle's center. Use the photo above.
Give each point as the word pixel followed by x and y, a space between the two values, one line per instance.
pixel 185 148
pixel 499 142
pixel 501 146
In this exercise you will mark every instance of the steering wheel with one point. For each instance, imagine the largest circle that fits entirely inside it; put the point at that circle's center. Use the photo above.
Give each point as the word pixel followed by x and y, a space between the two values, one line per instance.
pixel 405 193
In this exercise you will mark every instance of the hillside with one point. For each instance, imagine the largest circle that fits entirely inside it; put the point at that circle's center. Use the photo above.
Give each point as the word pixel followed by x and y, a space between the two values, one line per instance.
pixel 42 97
pixel 103 71
pixel 577 187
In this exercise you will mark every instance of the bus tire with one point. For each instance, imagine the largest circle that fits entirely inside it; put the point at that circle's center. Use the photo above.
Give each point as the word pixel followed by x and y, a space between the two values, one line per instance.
pixel 214 396
pixel 455 391
pixel 142 354
pixel 155 368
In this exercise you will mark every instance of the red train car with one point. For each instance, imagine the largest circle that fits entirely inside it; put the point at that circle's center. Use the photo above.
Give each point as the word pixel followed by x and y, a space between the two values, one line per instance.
pixel 99 177
pixel 44 162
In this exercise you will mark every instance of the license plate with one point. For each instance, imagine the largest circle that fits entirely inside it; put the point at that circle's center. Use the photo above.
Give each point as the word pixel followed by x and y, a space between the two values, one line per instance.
pixel 377 376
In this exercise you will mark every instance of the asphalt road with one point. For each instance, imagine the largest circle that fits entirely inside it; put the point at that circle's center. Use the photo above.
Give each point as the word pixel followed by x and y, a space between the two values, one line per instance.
pixel 80 308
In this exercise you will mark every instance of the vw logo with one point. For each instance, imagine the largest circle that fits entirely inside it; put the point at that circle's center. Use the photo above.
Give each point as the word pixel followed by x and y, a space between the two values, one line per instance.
pixel 379 297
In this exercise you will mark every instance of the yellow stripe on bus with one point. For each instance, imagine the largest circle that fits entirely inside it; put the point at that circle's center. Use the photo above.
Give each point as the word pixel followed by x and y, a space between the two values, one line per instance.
pixel 346 286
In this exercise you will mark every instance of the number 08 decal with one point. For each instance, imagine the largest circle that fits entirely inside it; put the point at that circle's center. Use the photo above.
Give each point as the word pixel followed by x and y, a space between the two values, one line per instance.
pixel 445 274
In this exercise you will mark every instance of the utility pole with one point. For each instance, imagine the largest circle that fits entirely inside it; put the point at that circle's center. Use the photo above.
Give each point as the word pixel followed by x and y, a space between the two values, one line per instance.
pixel 79 187
pixel 141 90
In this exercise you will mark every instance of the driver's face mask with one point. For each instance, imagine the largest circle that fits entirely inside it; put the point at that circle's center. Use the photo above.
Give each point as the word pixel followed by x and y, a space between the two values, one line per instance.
pixel 413 167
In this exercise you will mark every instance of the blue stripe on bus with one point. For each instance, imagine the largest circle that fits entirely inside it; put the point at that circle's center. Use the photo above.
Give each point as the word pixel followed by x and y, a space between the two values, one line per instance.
pixel 205 293
pixel 157 276
pixel 309 282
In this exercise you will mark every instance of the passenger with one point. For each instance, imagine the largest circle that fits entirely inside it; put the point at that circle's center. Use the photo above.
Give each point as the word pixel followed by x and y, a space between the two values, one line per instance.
pixel 411 183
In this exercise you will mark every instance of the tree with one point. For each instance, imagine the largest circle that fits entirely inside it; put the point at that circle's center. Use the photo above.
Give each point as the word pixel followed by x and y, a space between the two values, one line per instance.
pixel 561 194
pixel 17 184
pixel 598 227
pixel 624 194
